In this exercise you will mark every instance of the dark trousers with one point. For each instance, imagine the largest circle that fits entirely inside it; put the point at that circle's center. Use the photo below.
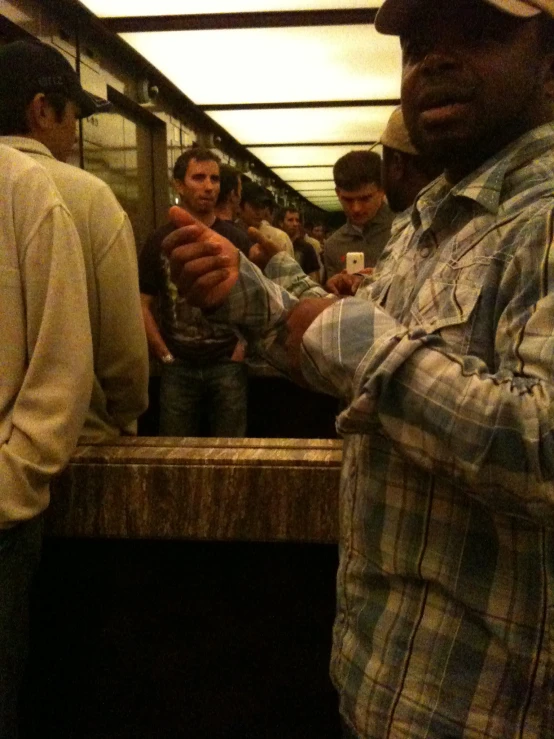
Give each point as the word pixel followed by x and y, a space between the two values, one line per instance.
pixel 19 557
pixel 347 732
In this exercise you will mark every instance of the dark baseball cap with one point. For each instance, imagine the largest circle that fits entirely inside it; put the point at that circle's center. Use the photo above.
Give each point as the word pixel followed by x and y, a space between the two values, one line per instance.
pixel 255 195
pixel 30 67
pixel 396 15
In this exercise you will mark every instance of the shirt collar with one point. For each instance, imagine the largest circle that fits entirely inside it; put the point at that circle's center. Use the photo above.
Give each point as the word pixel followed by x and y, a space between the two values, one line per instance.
pixel 377 219
pixel 486 186
pixel 26 145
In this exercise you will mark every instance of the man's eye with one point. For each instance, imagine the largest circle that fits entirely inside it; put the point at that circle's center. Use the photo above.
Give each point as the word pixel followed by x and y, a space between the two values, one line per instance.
pixel 415 48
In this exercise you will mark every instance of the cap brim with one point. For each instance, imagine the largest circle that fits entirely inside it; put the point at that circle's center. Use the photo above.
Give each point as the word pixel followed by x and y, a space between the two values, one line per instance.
pixel 90 104
pixel 395 15
pixel 515 7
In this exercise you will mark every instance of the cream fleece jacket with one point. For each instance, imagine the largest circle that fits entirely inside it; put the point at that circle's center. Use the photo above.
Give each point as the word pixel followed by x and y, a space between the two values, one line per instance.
pixel 45 347
pixel 120 389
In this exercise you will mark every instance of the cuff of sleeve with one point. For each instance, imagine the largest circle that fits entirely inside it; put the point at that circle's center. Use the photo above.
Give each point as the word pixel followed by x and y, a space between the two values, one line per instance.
pixel 336 345
pixel 254 302
pixel 285 271
pixel 282 259
pixel 385 358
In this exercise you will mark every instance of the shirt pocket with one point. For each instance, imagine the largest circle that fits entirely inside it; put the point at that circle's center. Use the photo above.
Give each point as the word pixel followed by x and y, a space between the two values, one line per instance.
pixel 439 304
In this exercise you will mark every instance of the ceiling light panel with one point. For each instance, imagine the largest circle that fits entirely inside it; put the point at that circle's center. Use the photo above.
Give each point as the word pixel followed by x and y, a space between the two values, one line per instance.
pixel 297 174
pixel 119 8
pixel 276 65
pixel 313 195
pixel 309 125
pixel 314 185
pixel 306 156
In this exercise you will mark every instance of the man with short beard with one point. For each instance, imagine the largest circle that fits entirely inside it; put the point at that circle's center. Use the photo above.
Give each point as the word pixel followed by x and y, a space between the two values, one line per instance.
pixel 367 229
pixel 445 587
pixel 203 389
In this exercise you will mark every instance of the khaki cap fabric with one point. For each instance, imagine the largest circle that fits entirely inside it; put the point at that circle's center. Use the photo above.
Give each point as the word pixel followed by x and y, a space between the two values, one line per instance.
pixel 394 14
pixel 396 136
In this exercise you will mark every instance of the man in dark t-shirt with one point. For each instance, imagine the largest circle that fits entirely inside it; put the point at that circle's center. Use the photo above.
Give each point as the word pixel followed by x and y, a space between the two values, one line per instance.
pixel 203 390
pixel 288 220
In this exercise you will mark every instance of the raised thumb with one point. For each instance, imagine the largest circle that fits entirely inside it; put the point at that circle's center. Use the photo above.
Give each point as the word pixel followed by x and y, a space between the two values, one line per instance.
pixel 180 217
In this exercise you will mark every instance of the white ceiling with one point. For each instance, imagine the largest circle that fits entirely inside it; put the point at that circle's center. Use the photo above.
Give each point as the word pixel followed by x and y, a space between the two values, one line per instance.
pixel 122 8
pixel 308 73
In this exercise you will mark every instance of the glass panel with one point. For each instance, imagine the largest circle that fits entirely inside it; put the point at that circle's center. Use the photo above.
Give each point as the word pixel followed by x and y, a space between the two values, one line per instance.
pixel 119 151
pixel 113 8
pixel 284 64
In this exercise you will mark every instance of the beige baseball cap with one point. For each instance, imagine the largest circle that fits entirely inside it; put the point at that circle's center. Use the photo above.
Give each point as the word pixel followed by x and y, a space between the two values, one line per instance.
pixel 396 135
pixel 394 14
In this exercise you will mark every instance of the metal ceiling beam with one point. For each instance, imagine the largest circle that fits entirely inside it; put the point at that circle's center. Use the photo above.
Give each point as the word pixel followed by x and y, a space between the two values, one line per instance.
pixel 303 104
pixel 219 21
pixel 312 143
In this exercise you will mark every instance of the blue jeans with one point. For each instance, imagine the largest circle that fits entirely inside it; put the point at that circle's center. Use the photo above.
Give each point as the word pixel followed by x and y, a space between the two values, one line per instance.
pixel 19 557
pixel 203 399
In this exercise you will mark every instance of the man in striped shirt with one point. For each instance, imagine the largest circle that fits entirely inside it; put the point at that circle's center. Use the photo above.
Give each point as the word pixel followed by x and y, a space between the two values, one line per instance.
pixel 445 620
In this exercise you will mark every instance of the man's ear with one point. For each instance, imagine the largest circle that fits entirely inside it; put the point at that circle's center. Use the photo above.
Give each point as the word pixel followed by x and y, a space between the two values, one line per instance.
pixel 39 114
pixel 178 186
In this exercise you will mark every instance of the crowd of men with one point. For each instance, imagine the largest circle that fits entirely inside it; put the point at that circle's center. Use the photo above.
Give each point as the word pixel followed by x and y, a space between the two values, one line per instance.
pixel 442 352
pixel 203 364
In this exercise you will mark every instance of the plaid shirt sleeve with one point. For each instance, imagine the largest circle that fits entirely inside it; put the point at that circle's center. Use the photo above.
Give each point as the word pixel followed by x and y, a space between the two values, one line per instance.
pixel 287 273
pixel 340 338
pixel 447 411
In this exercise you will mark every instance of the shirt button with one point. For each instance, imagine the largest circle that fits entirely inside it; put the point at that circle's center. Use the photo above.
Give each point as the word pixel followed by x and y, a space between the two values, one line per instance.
pixel 424 252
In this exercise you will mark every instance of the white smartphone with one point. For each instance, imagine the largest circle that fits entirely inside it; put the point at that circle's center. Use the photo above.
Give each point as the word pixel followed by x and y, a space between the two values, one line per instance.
pixel 355 262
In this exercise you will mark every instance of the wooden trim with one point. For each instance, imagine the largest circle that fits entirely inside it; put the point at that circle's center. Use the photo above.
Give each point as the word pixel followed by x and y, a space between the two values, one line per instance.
pixel 220 21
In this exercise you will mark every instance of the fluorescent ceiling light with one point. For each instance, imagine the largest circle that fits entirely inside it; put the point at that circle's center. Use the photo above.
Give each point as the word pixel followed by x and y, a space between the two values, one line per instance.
pixel 314 185
pixel 310 125
pixel 119 8
pixel 329 191
pixel 276 65
pixel 296 174
pixel 290 156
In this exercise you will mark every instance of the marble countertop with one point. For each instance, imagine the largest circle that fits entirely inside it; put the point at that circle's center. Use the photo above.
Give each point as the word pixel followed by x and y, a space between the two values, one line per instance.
pixel 208 489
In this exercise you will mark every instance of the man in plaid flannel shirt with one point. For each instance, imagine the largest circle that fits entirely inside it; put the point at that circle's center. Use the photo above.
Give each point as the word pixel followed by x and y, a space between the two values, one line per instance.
pixel 445 621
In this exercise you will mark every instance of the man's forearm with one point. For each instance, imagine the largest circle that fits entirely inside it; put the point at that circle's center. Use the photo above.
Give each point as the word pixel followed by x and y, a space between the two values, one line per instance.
pixel 285 271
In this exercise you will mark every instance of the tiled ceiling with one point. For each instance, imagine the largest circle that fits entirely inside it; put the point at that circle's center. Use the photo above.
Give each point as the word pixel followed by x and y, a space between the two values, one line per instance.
pixel 299 84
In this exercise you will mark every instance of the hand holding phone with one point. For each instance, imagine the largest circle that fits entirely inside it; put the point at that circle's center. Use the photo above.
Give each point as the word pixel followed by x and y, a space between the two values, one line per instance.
pixel 355 262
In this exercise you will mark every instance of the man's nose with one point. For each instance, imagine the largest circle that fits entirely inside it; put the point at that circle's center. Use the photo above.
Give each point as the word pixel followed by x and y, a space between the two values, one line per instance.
pixel 439 56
